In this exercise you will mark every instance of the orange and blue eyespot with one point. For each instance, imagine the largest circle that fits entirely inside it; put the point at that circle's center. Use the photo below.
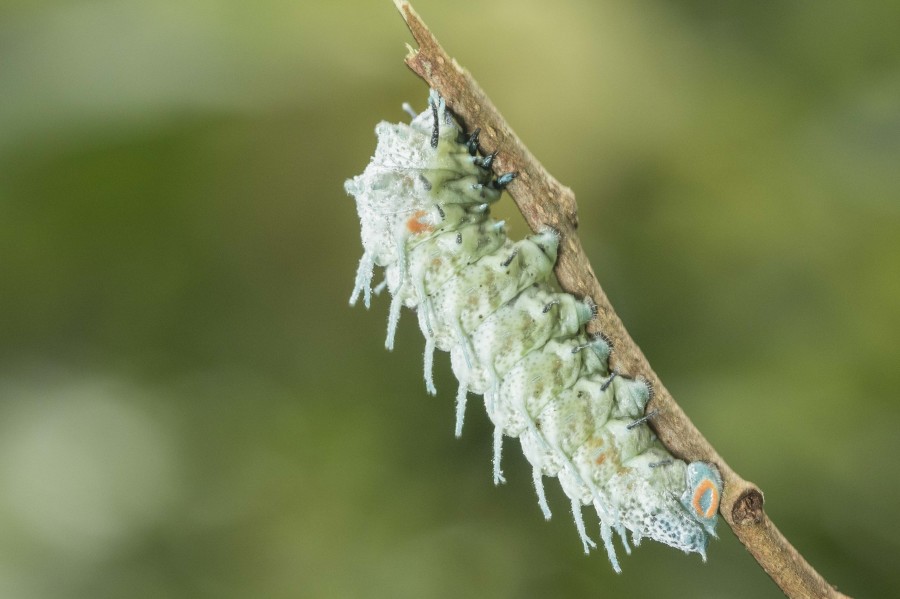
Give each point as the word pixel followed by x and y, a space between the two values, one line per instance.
pixel 703 493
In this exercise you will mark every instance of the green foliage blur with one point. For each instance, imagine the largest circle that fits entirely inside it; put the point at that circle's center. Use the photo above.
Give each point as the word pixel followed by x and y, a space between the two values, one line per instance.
pixel 189 408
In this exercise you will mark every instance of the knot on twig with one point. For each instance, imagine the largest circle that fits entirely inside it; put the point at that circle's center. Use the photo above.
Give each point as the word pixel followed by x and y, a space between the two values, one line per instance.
pixel 748 508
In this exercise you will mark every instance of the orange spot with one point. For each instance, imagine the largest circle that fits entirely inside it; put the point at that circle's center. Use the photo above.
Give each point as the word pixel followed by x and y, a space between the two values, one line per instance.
pixel 702 488
pixel 600 459
pixel 416 225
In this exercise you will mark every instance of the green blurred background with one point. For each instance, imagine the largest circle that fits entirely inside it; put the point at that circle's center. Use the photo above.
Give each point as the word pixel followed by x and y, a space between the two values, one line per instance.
pixel 189 408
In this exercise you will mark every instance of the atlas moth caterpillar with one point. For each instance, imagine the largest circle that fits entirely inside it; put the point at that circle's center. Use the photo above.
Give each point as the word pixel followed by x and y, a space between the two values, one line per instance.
pixel 424 206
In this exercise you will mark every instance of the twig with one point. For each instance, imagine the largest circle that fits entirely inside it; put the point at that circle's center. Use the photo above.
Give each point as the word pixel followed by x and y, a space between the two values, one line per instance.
pixel 544 201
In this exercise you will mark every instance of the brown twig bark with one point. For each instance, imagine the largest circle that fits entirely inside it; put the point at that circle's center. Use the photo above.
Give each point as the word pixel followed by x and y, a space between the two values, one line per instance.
pixel 544 201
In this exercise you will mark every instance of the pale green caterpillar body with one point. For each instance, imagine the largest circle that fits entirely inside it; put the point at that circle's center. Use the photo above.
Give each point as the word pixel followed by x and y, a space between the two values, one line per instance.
pixel 423 203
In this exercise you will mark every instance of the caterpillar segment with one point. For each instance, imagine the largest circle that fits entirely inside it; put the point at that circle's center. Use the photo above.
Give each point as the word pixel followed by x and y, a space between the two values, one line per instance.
pixel 424 207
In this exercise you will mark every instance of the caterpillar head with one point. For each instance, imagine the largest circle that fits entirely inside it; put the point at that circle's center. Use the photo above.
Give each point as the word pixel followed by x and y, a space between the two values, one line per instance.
pixel 702 495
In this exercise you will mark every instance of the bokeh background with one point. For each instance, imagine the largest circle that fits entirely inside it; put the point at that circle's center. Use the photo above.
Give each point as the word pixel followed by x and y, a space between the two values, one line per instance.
pixel 189 408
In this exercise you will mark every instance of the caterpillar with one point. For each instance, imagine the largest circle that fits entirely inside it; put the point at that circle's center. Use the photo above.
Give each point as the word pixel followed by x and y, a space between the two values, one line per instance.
pixel 424 207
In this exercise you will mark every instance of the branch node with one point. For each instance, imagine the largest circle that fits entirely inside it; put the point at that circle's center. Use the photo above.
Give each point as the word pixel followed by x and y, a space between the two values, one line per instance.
pixel 748 508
